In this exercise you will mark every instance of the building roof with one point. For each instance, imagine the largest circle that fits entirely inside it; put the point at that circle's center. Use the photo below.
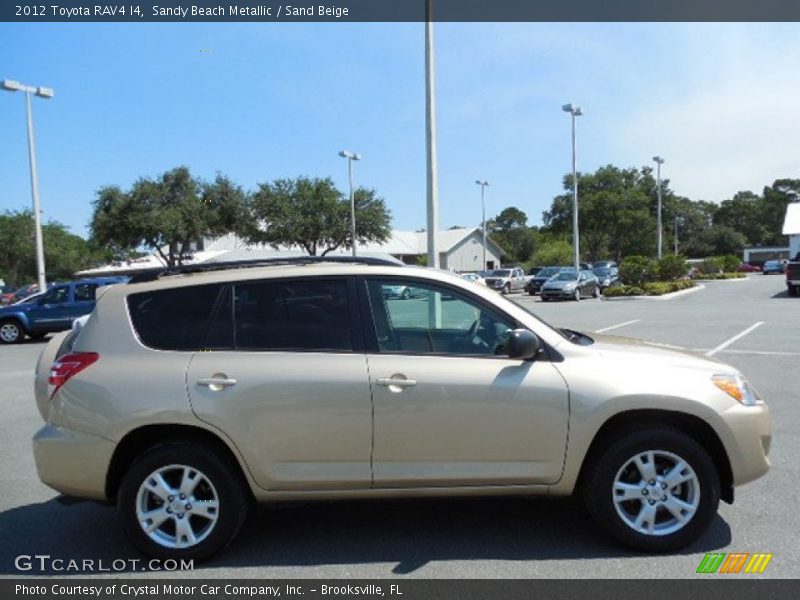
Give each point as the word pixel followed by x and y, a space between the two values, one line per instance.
pixel 791 224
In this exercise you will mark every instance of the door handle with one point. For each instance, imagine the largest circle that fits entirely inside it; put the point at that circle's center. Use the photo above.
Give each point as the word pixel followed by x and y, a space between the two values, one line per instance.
pixel 217 383
pixel 390 381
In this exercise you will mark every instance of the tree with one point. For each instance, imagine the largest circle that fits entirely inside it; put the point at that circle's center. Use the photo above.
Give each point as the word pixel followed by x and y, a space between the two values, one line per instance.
pixel 553 253
pixel 313 214
pixel 745 213
pixel 510 231
pixel 167 214
pixel 508 219
pixel 65 253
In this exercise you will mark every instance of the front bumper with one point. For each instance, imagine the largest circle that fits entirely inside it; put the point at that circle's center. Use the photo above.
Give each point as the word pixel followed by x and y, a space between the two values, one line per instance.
pixel 560 293
pixel 72 463
pixel 748 430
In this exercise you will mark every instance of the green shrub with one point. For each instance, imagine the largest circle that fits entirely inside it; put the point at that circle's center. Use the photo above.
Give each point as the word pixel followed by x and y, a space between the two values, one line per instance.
pixel 635 270
pixel 650 288
pixel 557 252
pixel 730 263
pixel 712 264
pixel 671 267
pixel 722 276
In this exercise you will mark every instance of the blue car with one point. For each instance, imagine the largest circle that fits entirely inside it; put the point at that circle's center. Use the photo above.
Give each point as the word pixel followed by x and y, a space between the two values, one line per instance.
pixel 773 266
pixel 55 310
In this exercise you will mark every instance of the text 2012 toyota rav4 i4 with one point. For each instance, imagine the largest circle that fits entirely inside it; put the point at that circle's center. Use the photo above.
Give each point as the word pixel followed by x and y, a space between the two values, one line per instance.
pixel 187 397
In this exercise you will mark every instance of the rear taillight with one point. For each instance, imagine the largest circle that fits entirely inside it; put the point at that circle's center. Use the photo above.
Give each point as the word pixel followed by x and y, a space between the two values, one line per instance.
pixel 69 365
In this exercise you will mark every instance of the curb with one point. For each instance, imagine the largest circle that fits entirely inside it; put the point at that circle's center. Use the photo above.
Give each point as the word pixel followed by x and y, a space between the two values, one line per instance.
pixel 725 280
pixel 669 296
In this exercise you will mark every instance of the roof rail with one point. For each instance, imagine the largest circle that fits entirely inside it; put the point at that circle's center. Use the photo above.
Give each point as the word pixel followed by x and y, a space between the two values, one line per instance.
pixel 154 274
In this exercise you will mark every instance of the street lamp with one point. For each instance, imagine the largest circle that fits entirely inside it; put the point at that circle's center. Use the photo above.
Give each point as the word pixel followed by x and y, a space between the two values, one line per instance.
pixel 42 92
pixel 574 111
pixel 659 162
pixel 483 185
pixel 351 156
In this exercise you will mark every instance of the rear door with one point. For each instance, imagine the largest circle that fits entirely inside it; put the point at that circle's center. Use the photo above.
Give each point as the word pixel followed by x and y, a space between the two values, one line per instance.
pixel 284 375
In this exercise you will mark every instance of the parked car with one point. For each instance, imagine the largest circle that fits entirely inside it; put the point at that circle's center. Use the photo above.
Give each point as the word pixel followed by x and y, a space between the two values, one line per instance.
pixel 606 276
pixel 531 273
pixel 186 398
pixel 7 294
pixel 748 268
pixel 793 277
pixel 773 266
pixel 474 278
pixel 604 264
pixel 536 282
pixel 566 285
pixel 506 280
pixel 54 310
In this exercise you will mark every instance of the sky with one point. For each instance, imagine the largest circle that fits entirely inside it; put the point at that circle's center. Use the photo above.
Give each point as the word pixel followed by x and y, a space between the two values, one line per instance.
pixel 257 102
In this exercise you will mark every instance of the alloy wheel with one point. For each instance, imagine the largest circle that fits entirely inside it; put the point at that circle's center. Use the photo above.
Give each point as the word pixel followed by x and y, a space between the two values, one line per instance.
pixel 177 506
pixel 656 493
pixel 10 333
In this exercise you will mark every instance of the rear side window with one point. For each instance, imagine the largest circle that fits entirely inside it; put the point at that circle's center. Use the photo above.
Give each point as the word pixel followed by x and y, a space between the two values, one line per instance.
pixel 308 314
pixel 174 319
pixel 85 292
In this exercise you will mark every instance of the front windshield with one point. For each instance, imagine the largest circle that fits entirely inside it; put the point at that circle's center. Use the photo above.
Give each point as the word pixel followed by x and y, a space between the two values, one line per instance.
pixel 548 272
pixel 604 272
pixel 500 273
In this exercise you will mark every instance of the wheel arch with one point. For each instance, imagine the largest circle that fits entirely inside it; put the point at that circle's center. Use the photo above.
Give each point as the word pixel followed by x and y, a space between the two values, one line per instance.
pixel 637 419
pixel 138 440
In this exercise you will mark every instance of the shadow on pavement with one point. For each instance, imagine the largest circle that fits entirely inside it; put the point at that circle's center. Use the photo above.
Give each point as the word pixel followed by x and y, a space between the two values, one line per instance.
pixel 410 533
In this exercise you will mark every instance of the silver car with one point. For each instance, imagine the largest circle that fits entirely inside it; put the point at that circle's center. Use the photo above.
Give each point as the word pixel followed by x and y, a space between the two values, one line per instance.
pixel 186 398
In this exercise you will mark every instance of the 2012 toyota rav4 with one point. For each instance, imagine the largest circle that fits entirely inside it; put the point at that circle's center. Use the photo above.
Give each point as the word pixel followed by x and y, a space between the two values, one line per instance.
pixel 185 398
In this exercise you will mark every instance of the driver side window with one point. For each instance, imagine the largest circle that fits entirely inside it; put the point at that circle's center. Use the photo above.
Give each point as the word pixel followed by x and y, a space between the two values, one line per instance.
pixel 419 318
pixel 56 295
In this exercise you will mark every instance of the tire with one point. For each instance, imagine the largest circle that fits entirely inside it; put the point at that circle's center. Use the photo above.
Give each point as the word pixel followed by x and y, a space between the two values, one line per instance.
pixel 406 294
pixel 11 332
pixel 545 299
pixel 793 290
pixel 597 292
pixel 615 463
pixel 507 289
pixel 577 294
pixel 38 335
pixel 215 478
pixel 531 293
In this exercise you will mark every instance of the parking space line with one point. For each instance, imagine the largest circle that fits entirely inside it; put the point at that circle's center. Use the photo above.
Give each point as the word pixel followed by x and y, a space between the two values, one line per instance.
pixel 604 329
pixel 730 341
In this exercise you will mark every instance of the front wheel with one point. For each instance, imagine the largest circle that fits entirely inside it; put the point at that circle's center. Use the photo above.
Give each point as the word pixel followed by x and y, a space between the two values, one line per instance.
pixel 654 489
pixel 182 500
pixel 597 292
pixel 577 295
pixel 11 332
pixel 507 289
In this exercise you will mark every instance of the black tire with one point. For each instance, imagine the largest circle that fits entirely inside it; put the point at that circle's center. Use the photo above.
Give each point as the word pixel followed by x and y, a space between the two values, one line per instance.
pixel 531 293
pixel 11 332
pixel 601 471
pixel 406 294
pixel 793 290
pixel 226 478
pixel 577 294
pixel 38 335
pixel 597 291
pixel 507 289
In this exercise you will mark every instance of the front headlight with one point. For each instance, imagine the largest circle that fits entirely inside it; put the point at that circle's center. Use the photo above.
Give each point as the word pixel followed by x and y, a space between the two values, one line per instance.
pixel 737 388
pixel 569 286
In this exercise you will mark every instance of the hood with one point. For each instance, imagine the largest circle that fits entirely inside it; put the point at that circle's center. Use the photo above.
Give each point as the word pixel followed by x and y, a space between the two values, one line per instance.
pixel 559 284
pixel 612 346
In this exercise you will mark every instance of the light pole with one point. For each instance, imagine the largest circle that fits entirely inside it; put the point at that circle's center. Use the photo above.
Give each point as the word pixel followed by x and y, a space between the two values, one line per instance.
pixel 483 185
pixel 676 235
pixel 659 162
pixel 574 111
pixel 430 139
pixel 41 92
pixel 351 156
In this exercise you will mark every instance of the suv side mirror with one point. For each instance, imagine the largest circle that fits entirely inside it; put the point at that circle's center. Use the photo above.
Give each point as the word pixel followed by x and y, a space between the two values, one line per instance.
pixel 523 344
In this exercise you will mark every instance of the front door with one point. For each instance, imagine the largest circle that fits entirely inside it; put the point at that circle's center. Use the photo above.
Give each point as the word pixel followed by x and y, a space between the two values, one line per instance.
pixel 450 407
pixel 53 310
pixel 283 376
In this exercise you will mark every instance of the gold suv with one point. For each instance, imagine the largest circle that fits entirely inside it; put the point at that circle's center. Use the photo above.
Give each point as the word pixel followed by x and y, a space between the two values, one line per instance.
pixel 190 394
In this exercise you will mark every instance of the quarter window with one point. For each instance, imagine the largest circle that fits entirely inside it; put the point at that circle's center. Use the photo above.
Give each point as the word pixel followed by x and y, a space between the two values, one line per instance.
pixel 427 319
pixel 85 292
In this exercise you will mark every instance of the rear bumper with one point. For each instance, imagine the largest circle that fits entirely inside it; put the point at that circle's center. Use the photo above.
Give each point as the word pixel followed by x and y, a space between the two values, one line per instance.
pixel 72 463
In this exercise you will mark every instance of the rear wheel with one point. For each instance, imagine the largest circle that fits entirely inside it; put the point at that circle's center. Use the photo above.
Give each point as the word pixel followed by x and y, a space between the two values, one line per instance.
pixel 793 290
pixel 182 500
pixel 38 335
pixel 11 332
pixel 577 294
pixel 655 489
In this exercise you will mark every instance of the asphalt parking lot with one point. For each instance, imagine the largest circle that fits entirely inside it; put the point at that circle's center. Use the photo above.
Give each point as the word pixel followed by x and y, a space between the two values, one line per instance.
pixel 476 538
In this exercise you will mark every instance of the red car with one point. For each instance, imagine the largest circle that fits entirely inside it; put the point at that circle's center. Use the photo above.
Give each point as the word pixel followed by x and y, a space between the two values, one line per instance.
pixel 748 268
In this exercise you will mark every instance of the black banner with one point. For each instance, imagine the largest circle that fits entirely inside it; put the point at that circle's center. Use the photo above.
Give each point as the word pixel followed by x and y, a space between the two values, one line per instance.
pixel 400 589
pixel 400 10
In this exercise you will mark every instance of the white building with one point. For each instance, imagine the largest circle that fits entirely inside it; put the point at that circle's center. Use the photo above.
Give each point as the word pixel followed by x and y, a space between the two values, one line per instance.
pixel 460 250
pixel 791 227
